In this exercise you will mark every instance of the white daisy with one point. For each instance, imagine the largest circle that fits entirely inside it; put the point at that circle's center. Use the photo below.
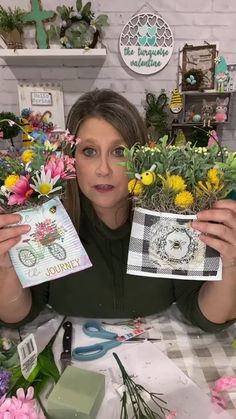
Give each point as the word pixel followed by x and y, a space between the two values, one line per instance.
pixel 44 183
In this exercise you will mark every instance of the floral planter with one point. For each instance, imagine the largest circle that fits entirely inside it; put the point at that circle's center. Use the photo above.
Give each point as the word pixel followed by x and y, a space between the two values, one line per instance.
pixel 51 249
pixel 13 39
pixel 164 245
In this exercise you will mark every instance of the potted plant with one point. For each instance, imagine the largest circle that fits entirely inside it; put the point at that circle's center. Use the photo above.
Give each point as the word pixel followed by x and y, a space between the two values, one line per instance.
pixel 79 28
pixel 169 185
pixel 11 26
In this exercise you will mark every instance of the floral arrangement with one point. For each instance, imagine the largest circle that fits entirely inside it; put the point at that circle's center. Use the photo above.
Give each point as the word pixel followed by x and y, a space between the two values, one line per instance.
pixel 183 179
pixel 35 174
pixel 16 392
pixel 36 124
pixel 140 399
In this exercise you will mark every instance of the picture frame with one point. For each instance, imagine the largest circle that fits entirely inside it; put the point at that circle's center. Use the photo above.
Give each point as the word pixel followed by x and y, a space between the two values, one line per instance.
pixel 200 58
pixel 43 97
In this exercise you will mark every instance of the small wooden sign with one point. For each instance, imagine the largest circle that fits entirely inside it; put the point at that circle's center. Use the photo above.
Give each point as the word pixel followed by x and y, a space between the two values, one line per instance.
pixel 43 97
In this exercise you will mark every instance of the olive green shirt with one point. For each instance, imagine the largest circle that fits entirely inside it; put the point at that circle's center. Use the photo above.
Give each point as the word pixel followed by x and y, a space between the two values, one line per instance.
pixel 106 291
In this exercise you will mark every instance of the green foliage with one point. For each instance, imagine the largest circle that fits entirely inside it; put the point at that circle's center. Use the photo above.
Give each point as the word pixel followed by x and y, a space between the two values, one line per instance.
pixel 156 117
pixel 45 369
pixel 8 130
pixel 189 162
pixel 11 19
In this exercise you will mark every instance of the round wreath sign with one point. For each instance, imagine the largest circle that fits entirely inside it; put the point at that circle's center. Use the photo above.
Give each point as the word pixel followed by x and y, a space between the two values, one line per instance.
pixel 146 43
pixel 77 38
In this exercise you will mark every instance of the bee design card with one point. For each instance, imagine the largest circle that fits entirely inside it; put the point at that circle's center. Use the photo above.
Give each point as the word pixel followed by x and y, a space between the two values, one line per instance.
pixel 164 245
pixel 51 249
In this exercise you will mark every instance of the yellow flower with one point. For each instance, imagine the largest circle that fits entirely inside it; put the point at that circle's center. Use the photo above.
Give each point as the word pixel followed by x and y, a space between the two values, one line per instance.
pixel 11 180
pixel 184 199
pixel 208 188
pixel 174 182
pixel 27 155
pixel 213 176
pixel 135 187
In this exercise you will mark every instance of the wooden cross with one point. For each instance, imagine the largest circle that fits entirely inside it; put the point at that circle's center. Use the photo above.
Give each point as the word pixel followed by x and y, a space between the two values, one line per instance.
pixel 37 16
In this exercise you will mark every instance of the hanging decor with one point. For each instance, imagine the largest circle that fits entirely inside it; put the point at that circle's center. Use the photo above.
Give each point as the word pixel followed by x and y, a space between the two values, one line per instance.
pixel 146 43
pixel 198 67
pixel 38 16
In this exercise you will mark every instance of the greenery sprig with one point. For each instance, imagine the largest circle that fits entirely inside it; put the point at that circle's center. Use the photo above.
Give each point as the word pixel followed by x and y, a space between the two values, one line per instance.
pixel 137 395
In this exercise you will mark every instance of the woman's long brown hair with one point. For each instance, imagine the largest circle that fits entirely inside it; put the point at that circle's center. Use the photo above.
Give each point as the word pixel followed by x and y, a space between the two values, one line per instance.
pixel 114 109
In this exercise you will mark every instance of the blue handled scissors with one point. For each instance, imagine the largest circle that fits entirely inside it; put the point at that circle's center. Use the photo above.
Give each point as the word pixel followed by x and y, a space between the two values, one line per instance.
pixel 89 353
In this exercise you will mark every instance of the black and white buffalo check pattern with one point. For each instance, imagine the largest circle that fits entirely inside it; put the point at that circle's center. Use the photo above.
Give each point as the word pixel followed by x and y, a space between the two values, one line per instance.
pixel 164 246
pixel 203 357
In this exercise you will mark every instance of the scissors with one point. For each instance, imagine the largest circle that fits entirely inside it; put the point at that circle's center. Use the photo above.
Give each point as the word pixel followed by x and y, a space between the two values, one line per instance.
pixel 95 330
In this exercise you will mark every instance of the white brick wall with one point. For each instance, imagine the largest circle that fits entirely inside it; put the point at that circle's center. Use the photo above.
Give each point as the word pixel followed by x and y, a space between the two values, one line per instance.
pixel 190 20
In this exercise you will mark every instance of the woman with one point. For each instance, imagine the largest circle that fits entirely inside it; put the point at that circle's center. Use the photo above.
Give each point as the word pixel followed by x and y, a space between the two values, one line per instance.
pixel 100 209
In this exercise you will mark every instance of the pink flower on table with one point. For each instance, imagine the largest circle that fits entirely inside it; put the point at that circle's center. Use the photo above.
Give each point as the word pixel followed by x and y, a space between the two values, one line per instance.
pixel 21 191
pixel 64 167
pixel 23 406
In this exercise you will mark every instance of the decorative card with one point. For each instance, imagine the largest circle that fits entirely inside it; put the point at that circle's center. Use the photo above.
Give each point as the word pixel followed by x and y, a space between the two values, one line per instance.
pixel 51 249
pixel 165 245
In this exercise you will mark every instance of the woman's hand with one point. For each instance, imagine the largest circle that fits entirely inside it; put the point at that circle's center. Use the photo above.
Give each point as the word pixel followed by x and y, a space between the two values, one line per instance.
pixel 217 299
pixel 10 234
pixel 218 228
pixel 15 302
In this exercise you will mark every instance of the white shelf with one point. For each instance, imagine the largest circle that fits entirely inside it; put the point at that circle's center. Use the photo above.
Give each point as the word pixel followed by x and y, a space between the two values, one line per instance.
pixel 52 57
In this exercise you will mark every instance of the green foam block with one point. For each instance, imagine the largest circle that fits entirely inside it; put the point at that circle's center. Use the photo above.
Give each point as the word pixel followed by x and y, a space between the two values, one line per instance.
pixel 78 394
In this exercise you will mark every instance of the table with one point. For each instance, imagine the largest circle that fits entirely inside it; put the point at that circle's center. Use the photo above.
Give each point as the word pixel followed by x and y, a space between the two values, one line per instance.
pixel 202 356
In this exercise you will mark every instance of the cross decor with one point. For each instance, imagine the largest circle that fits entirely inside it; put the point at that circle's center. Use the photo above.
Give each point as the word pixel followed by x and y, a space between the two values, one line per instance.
pixel 37 16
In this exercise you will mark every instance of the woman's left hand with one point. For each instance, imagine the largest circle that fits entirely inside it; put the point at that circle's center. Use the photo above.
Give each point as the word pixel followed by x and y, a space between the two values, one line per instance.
pixel 218 228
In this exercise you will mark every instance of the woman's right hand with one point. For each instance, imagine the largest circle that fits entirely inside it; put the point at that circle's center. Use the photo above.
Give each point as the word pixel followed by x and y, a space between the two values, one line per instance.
pixel 15 301
pixel 10 234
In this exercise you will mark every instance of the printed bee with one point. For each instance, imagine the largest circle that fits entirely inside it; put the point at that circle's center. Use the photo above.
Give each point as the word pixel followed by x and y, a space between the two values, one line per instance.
pixel 147 178
pixel 176 244
pixel 53 209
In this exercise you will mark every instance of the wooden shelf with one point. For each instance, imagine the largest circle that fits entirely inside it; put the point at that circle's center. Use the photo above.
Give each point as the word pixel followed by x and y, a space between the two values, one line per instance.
pixel 198 124
pixel 205 93
pixel 53 57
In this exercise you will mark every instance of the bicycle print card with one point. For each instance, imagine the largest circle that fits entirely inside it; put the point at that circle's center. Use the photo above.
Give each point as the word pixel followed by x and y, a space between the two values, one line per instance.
pixel 51 249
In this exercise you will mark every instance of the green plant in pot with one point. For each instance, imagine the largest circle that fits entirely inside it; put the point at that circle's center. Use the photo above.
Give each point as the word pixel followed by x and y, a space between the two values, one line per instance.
pixel 79 28
pixel 11 26
pixel 9 131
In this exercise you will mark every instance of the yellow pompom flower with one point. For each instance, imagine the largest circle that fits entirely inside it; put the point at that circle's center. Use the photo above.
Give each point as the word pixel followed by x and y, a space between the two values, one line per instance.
pixel 135 187
pixel 27 155
pixel 10 181
pixel 213 176
pixel 184 199
pixel 174 182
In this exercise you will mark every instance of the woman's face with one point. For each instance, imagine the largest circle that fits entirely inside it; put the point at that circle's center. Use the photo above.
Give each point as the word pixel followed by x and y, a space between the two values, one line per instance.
pixel 100 177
